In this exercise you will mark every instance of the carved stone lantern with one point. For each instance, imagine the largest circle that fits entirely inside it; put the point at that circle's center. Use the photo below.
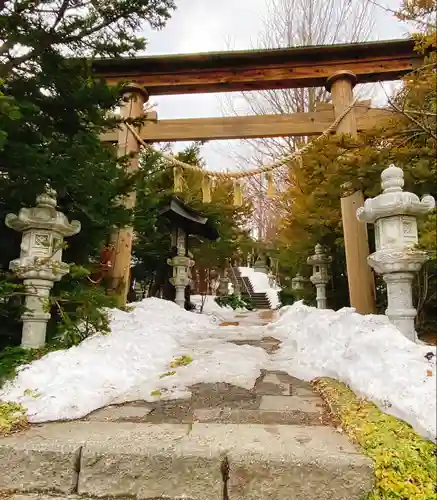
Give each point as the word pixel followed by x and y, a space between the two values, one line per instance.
pixel 298 284
pixel 394 214
pixel 223 288
pixel 40 262
pixel 320 277
pixel 182 265
pixel 184 222
pixel 260 265
pixel 236 287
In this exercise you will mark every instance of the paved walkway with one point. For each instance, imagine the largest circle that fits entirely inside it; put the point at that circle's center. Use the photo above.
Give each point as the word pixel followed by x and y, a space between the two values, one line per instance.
pixel 274 441
pixel 276 398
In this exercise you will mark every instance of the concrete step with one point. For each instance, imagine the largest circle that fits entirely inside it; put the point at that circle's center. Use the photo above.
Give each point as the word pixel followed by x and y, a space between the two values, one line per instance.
pixel 259 300
pixel 201 461
pixel 242 281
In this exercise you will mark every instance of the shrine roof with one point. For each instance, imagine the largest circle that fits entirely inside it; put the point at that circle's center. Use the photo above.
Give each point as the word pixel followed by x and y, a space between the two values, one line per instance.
pixel 192 221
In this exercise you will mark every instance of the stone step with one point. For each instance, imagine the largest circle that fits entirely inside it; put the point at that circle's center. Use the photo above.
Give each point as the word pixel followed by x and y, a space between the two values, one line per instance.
pixel 311 416
pixel 197 462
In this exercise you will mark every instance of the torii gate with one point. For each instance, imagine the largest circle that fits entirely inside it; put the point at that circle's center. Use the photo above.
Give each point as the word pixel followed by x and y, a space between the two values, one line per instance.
pixel 337 67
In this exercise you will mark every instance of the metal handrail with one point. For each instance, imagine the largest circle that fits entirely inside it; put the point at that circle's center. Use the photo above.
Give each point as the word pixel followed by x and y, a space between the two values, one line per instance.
pixel 242 280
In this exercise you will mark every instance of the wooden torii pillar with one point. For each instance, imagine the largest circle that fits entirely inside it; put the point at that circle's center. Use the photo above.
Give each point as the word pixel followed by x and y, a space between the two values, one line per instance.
pixel 134 98
pixel 359 274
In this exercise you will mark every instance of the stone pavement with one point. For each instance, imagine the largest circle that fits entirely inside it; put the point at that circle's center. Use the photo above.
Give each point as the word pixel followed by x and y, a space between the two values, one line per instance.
pixel 274 441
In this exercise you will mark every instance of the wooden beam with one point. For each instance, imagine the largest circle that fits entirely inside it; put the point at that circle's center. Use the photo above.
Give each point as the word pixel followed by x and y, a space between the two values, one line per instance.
pixel 122 238
pixel 248 127
pixel 359 274
pixel 261 70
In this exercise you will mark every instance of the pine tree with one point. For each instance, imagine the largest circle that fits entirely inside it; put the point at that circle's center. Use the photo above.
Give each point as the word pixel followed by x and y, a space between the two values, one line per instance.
pixel 52 111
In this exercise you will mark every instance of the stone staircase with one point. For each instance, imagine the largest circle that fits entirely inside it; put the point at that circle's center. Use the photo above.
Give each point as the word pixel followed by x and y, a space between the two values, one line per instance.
pixel 258 299
pixel 275 441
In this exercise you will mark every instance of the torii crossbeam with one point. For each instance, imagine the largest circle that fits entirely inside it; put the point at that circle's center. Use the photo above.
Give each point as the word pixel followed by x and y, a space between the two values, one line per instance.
pixel 260 69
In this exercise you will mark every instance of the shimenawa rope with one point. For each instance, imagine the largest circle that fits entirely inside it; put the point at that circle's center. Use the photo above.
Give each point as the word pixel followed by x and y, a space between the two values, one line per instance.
pixel 247 173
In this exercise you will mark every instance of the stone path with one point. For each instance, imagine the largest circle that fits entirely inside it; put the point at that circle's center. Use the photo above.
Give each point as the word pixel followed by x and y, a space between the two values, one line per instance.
pixel 275 441
pixel 277 398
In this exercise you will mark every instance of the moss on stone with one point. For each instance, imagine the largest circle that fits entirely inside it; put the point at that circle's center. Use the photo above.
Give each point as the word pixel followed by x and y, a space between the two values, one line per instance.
pixel 13 417
pixel 404 462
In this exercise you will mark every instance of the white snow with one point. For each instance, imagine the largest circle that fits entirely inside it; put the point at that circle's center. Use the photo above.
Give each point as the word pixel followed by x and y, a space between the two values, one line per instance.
pixel 212 309
pixel 261 284
pixel 365 352
pixel 105 369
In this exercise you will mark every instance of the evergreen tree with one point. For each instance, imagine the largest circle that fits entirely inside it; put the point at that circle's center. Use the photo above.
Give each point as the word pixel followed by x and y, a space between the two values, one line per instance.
pixel 52 111
pixel 153 233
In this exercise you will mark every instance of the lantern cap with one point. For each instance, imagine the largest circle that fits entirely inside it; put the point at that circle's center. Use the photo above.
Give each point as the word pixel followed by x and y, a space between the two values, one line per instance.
pixel 393 200
pixel 43 216
pixel 320 257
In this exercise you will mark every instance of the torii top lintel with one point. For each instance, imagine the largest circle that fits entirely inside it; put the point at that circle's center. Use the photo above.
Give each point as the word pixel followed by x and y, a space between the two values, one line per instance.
pixel 294 67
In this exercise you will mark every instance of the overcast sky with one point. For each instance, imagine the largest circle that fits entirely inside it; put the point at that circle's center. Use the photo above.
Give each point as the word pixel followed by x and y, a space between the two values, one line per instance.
pixel 214 25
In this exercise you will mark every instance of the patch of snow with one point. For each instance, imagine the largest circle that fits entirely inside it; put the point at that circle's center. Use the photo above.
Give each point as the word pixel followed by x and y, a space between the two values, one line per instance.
pixel 273 297
pixel 124 365
pixel 216 361
pixel 211 308
pixel 367 353
pixel 261 284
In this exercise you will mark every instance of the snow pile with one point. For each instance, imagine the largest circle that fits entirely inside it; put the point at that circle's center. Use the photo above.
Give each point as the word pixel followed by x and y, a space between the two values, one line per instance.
pixel 129 363
pixel 215 360
pixel 260 284
pixel 211 308
pixel 134 361
pixel 367 353
pixel 106 369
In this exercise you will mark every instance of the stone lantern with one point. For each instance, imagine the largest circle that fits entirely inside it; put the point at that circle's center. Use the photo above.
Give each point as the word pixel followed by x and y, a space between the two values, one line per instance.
pixel 394 214
pixel 320 277
pixel 223 287
pixel 236 286
pixel 260 265
pixel 40 262
pixel 182 265
pixel 298 283
pixel 184 222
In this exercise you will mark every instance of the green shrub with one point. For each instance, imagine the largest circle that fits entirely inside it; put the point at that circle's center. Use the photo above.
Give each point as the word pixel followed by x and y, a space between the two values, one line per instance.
pixel 79 308
pixel 11 308
pixel 13 357
pixel 287 297
pixel 404 462
pixel 235 302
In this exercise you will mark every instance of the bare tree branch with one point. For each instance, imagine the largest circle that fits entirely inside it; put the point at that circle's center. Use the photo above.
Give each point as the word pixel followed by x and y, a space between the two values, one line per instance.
pixel 291 23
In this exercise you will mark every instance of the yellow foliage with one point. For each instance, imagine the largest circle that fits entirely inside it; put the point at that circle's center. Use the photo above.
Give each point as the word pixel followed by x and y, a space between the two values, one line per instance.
pixel 13 417
pixel 404 462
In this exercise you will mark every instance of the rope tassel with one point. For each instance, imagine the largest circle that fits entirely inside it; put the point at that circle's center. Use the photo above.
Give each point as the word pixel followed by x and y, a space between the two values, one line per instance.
pixel 238 194
pixel 270 184
pixel 206 189
pixel 178 179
